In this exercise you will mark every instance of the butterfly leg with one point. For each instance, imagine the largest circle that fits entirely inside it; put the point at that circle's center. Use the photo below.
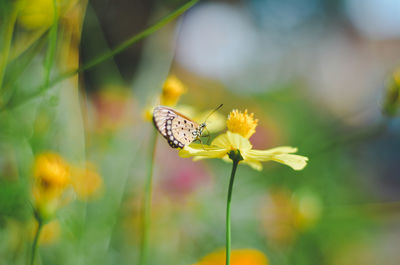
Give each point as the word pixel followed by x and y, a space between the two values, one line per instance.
pixel 208 136
pixel 201 142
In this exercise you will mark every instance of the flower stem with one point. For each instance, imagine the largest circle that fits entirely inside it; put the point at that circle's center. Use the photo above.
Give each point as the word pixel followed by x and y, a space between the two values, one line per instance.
pixel 36 240
pixel 51 50
pixel 6 35
pixel 236 157
pixel 146 214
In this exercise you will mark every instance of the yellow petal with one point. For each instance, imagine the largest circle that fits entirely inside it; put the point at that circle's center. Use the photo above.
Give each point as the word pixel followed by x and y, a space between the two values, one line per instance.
pixel 221 141
pixel 253 164
pixel 238 142
pixel 232 141
pixel 202 151
pixel 279 154
pixel 297 162
pixel 265 155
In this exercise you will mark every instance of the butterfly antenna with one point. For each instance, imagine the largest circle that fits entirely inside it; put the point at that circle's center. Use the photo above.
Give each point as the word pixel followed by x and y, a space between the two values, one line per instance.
pixel 212 112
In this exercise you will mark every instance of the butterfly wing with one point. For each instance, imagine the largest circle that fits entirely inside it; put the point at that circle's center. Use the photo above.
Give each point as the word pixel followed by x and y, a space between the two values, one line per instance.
pixel 175 127
pixel 161 115
pixel 182 130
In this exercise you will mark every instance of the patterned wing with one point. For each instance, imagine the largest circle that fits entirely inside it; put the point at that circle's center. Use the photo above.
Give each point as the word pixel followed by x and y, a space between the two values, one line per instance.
pixel 161 115
pixel 175 127
pixel 182 130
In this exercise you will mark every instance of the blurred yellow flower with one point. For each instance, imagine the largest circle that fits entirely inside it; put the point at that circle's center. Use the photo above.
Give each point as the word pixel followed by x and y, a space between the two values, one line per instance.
pixel 308 210
pixel 238 257
pixel 51 174
pixel 172 90
pixel 396 76
pixel 285 214
pixel 242 123
pixel 35 14
pixel 391 103
pixel 51 177
pixel 148 114
pixel 86 181
pixel 223 145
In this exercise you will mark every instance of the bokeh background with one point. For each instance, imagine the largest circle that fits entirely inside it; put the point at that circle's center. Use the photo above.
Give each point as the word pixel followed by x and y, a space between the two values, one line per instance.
pixel 316 73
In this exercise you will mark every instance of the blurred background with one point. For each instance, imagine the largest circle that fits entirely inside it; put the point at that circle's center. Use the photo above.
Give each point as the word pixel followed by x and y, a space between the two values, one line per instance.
pixel 319 75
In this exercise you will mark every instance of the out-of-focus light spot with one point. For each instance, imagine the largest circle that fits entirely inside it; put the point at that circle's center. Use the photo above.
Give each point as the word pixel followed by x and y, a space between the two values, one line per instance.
pixel 216 40
pixel 377 19
pixel 284 15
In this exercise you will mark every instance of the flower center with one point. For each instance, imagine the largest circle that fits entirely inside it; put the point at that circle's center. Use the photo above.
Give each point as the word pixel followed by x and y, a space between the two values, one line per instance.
pixel 242 123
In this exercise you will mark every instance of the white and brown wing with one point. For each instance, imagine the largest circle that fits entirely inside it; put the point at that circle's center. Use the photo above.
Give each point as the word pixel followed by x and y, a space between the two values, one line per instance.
pixel 175 127
pixel 182 130
pixel 161 115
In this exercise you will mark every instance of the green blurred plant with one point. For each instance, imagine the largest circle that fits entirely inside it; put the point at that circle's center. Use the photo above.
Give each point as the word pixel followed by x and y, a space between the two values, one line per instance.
pixel 172 90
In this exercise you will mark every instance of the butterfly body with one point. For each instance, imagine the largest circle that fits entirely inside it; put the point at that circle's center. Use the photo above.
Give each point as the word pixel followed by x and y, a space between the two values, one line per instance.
pixel 178 129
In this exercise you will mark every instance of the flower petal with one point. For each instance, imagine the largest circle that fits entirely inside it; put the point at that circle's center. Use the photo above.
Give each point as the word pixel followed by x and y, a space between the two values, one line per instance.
pixel 221 141
pixel 265 155
pixel 253 164
pixel 202 151
pixel 279 154
pixel 297 162
pixel 238 142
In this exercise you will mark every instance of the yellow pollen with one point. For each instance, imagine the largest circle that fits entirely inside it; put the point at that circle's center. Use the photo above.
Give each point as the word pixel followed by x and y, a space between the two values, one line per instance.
pixel 172 90
pixel 242 123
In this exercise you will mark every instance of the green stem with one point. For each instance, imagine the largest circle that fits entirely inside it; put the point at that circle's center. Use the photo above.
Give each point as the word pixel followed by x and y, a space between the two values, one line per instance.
pixel 51 50
pixel 146 214
pixel 126 44
pixel 236 157
pixel 113 52
pixel 35 241
pixel 6 38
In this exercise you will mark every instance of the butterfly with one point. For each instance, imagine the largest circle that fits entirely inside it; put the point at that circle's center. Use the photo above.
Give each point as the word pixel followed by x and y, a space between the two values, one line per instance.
pixel 178 129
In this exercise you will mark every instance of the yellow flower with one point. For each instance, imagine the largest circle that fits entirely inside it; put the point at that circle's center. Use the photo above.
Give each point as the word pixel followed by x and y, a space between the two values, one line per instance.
pixel 285 214
pixel 51 174
pixel 147 114
pixel 36 14
pixel 230 141
pixel 238 257
pixel 86 181
pixel 396 76
pixel 242 123
pixel 308 211
pixel 51 177
pixel 391 103
pixel 172 90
